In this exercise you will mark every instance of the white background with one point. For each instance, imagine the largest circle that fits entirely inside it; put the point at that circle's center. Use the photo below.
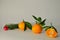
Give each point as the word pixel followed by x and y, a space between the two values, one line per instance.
pixel 14 11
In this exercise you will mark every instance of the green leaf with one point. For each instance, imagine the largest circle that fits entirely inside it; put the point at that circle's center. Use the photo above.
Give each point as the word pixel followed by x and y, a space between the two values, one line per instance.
pixel 15 26
pixel 43 22
pixel 34 17
pixel 39 19
pixel 46 27
pixel 28 25
pixel 55 29
pixel 25 28
pixel 12 26
pixel 25 25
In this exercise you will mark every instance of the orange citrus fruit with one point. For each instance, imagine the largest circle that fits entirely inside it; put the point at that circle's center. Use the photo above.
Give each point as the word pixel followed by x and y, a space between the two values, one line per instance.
pixel 37 28
pixel 21 25
pixel 51 32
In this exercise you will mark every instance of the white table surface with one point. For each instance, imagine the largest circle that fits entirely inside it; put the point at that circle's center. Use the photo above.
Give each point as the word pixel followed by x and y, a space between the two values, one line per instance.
pixel 26 35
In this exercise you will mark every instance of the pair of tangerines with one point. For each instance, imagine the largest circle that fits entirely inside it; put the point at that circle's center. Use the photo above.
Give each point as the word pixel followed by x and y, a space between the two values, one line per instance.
pixel 38 27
